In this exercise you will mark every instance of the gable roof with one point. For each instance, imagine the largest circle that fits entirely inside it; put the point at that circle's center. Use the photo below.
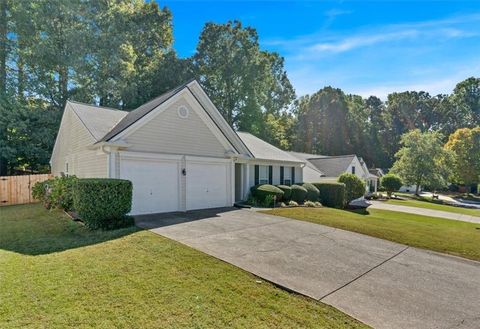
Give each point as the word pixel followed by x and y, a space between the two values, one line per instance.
pixel 141 111
pixel 98 120
pixel 106 123
pixel 333 166
pixel 264 151
pixel 305 157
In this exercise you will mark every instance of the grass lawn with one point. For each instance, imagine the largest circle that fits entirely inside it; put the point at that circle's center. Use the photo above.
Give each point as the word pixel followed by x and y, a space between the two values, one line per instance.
pixel 55 274
pixel 449 236
pixel 436 206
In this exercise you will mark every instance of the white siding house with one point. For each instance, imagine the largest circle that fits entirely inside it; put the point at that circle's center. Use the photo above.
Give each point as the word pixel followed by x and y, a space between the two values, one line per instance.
pixel 322 167
pixel 177 150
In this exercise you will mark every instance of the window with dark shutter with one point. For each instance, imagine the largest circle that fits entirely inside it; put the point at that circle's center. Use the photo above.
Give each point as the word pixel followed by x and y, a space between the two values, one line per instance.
pixel 293 175
pixel 270 175
pixel 257 170
pixel 282 173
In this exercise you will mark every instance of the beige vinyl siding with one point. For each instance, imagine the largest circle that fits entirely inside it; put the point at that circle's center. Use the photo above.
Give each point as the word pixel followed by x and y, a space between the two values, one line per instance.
pixel 169 133
pixel 71 146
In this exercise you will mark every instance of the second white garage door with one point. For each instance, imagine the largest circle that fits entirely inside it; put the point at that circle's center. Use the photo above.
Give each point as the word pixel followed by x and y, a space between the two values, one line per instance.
pixel 207 184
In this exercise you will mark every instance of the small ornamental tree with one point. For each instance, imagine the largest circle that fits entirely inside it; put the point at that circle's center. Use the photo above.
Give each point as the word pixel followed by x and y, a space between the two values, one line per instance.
pixel 354 186
pixel 391 183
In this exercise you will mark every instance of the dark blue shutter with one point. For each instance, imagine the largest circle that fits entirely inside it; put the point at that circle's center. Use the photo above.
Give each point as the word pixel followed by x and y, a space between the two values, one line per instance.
pixel 270 174
pixel 256 174
pixel 281 175
pixel 293 175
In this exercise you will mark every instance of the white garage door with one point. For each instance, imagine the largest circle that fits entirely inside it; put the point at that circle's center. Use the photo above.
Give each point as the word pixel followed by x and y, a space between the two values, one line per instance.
pixel 207 184
pixel 155 184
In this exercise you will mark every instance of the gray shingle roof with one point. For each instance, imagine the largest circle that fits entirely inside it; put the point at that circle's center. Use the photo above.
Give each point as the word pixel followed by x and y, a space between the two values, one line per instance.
pixel 141 111
pixel 265 151
pixel 332 166
pixel 305 157
pixel 98 120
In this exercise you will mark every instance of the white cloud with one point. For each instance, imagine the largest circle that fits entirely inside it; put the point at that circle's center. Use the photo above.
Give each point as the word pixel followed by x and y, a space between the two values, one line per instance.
pixel 359 41
pixel 383 59
pixel 320 43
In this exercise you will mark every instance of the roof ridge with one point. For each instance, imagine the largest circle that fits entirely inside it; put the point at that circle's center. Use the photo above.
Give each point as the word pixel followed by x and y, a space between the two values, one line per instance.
pixel 333 156
pixel 147 108
pixel 97 106
pixel 81 120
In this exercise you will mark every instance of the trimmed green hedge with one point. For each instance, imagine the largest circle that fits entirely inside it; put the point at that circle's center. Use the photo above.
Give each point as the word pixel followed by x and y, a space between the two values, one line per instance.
pixel 103 202
pixel 261 191
pixel 354 186
pixel 287 192
pixel 313 194
pixel 299 193
pixel 331 194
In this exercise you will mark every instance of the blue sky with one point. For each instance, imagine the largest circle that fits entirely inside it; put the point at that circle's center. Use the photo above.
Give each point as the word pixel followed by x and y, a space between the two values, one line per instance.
pixel 366 48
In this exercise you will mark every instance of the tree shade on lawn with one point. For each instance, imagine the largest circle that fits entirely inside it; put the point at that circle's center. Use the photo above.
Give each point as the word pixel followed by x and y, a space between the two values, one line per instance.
pixel 56 274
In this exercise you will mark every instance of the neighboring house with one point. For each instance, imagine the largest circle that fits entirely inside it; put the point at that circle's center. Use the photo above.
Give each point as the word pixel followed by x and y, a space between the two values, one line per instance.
pixel 379 173
pixel 177 150
pixel 405 188
pixel 322 167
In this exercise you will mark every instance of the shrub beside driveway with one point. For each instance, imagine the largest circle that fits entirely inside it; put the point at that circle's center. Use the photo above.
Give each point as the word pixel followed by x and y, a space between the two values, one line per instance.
pixel 55 273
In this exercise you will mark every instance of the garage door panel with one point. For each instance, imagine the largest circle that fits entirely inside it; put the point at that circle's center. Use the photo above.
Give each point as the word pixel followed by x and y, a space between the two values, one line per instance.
pixel 155 185
pixel 207 185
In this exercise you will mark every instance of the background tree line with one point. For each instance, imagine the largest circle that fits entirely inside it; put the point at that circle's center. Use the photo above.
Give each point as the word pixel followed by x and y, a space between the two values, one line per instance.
pixel 119 54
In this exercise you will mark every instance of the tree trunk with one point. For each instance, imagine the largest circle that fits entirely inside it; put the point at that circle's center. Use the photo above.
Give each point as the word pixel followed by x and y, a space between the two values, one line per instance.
pixel 417 187
pixel 3 68
pixel 3 46
pixel 63 84
pixel 20 72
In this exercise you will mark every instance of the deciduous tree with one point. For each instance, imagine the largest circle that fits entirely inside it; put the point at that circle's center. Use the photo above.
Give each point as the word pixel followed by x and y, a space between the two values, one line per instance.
pixel 465 147
pixel 422 160
pixel 243 81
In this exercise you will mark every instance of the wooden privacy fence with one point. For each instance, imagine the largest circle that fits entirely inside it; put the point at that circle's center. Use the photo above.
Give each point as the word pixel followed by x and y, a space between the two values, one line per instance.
pixel 18 189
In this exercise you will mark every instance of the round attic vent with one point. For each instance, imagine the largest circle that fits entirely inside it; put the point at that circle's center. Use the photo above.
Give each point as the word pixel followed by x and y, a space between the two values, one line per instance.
pixel 183 111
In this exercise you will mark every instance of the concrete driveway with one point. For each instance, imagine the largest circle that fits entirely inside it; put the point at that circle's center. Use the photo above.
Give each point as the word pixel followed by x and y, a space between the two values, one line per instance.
pixel 383 284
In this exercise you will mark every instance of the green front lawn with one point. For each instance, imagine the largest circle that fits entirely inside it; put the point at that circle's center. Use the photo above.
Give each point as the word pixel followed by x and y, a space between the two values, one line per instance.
pixel 449 236
pixel 436 206
pixel 55 274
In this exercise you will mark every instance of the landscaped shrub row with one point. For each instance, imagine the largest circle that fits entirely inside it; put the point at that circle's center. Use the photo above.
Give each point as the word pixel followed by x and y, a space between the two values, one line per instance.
pixel 99 202
pixel 313 194
pixel 103 202
pixel 287 192
pixel 299 193
pixel 331 194
pixel 262 192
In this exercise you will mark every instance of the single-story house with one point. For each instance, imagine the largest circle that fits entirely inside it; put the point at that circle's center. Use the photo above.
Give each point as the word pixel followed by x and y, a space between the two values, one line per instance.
pixel 322 167
pixel 378 172
pixel 177 150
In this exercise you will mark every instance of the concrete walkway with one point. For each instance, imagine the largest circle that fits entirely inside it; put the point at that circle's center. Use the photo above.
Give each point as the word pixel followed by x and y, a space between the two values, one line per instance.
pixel 424 212
pixel 383 284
